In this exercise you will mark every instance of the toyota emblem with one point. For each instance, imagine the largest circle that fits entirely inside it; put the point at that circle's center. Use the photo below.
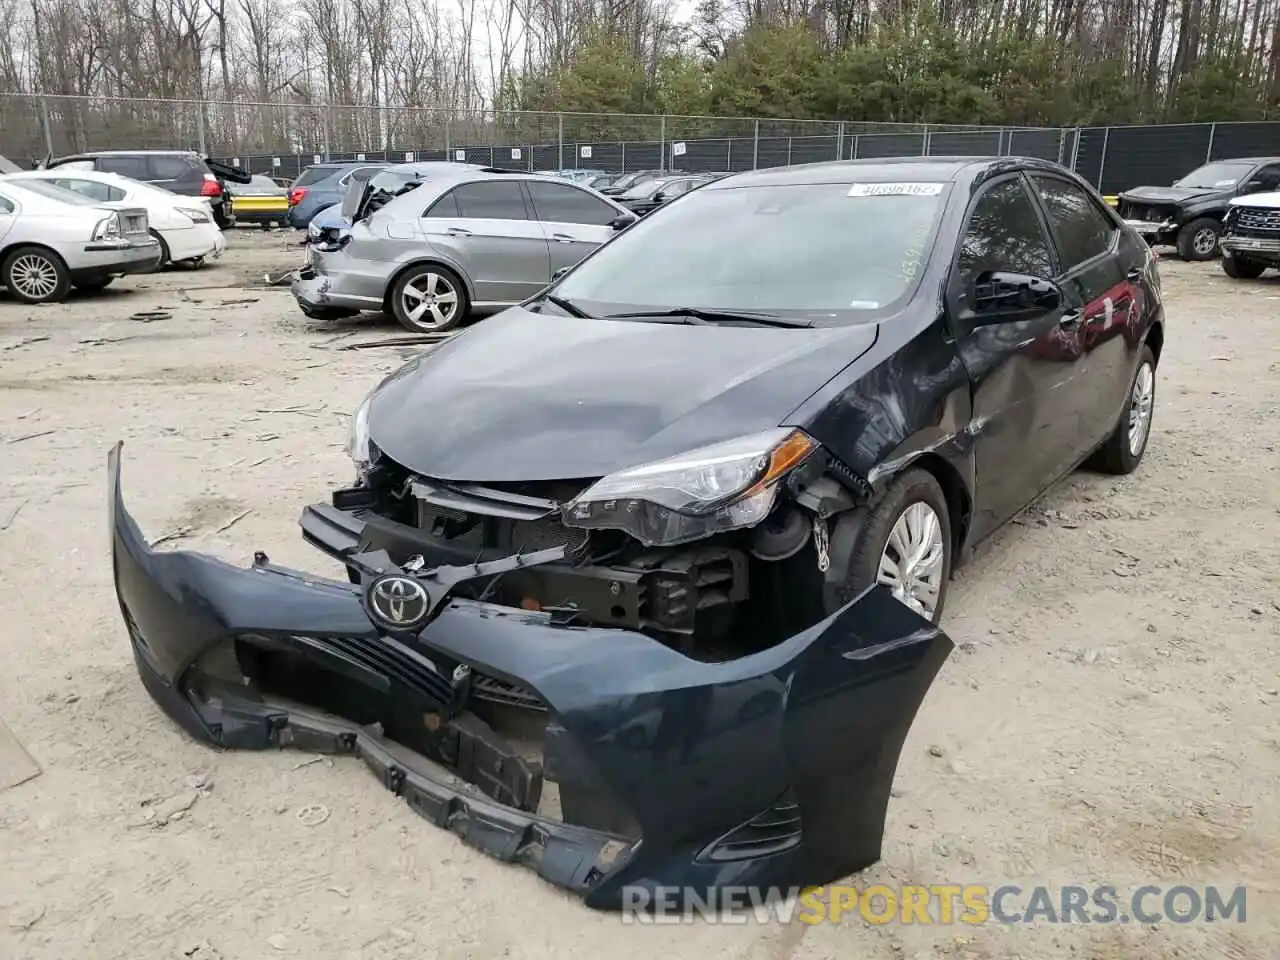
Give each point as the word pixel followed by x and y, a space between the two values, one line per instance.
pixel 398 602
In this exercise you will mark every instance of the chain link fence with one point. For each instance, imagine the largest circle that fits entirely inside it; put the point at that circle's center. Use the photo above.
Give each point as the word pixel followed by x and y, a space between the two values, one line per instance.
pixel 283 138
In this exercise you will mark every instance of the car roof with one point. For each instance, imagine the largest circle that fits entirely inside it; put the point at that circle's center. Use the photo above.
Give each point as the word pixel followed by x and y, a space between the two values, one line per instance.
pixel 129 153
pixel 449 179
pixel 883 170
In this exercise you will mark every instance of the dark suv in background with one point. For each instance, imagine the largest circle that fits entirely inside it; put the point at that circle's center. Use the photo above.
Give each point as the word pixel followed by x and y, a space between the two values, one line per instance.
pixel 324 184
pixel 180 171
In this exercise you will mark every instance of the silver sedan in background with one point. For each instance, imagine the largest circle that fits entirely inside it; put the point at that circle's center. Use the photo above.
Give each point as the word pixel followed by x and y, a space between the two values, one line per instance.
pixel 53 239
pixel 470 240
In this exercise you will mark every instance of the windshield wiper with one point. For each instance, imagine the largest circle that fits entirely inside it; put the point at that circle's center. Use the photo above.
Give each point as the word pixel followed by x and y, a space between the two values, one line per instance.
pixel 698 315
pixel 567 306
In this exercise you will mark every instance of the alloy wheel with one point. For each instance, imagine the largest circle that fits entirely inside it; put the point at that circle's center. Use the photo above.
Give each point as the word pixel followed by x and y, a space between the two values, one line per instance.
pixel 1205 241
pixel 913 560
pixel 1141 401
pixel 34 276
pixel 429 300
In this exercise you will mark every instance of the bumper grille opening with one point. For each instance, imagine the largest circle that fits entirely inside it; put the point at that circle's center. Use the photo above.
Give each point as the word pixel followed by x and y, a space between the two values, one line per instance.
pixel 775 830
pixel 1257 222
pixel 497 736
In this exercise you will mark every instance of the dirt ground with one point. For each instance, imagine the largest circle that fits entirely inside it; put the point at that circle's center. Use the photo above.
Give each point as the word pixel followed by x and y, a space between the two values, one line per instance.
pixel 1111 713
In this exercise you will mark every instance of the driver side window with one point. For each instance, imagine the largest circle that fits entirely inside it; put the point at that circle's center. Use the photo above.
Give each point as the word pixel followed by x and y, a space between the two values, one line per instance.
pixel 1270 177
pixel 1004 233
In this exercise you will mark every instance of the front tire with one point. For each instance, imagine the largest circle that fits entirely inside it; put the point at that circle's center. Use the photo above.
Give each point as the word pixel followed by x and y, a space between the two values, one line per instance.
pixel 905 544
pixel 429 299
pixel 35 275
pixel 1239 269
pixel 1123 450
pixel 1198 240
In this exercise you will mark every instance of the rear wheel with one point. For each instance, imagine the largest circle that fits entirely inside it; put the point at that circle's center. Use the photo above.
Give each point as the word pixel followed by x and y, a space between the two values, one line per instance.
pixel 164 251
pixel 1198 240
pixel 1123 450
pixel 429 299
pixel 1238 268
pixel 35 275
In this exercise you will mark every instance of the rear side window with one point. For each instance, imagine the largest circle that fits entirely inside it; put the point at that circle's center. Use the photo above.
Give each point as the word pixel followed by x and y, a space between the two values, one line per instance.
pixel 446 206
pixel 490 200
pixel 1081 229
pixel 554 203
pixel 133 166
pixel 1004 233
pixel 313 175
pixel 175 168
pixel 6 206
pixel 91 189
pixel 360 175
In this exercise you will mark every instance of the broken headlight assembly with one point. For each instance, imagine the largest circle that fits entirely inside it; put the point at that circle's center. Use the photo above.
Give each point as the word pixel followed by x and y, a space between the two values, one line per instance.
pixel 359 447
pixel 724 486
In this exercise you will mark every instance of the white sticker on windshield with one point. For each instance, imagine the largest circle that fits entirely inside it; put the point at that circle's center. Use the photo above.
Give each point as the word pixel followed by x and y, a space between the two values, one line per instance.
pixel 863 305
pixel 895 189
pixel 1224 183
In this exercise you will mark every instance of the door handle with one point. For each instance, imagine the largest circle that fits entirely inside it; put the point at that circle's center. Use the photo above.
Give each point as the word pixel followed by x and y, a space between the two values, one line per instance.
pixel 458 232
pixel 562 238
pixel 1070 319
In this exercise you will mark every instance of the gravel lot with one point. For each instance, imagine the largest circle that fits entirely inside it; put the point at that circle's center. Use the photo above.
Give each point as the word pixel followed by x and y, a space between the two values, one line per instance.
pixel 1111 714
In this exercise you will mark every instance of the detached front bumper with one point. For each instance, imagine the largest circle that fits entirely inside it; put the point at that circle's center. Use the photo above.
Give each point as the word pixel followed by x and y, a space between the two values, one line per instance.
pixel 674 777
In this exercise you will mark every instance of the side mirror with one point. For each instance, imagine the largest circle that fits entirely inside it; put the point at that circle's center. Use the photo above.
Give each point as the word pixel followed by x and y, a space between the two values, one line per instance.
pixel 1252 186
pixel 559 273
pixel 622 221
pixel 999 297
pixel 660 197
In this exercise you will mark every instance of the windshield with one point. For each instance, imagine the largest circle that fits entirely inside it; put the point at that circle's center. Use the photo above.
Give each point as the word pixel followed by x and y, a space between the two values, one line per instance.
pixel 54 192
pixel 1216 176
pixel 314 175
pixel 643 190
pixel 825 251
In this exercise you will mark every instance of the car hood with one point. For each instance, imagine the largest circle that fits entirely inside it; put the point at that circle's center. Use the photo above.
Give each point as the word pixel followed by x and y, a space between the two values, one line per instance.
pixel 1268 200
pixel 525 397
pixel 1169 194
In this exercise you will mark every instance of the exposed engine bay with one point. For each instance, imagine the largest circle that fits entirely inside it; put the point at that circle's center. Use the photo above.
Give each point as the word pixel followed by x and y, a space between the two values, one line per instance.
pixel 713 598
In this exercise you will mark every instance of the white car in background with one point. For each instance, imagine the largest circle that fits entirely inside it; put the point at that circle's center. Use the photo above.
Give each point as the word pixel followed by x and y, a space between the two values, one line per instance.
pixel 184 226
pixel 52 240
pixel 1251 236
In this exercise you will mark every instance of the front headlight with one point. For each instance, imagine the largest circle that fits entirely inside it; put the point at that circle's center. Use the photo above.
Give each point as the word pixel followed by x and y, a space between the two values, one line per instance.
pixel 313 231
pixel 725 486
pixel 358 446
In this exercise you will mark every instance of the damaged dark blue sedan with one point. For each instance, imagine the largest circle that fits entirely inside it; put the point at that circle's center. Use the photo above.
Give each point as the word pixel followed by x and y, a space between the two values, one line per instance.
pixel 644 575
